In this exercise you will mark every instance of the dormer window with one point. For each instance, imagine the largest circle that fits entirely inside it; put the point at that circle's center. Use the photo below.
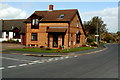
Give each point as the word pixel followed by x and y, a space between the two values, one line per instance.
pixel 35 24
pixel 34 21
pixel 61 16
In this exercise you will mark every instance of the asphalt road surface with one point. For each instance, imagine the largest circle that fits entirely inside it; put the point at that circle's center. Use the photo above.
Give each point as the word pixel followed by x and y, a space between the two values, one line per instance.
pixel 103 64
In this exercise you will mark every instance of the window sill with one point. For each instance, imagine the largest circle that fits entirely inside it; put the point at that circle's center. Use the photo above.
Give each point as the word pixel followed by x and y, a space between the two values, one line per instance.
pixel 34 40
pixel 34 28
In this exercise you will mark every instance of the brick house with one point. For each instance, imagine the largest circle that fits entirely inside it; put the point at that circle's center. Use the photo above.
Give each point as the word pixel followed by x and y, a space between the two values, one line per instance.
pixel 54 28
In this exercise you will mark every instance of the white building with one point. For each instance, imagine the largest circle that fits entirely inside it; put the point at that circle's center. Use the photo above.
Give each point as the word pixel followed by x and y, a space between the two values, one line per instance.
pixel 12 29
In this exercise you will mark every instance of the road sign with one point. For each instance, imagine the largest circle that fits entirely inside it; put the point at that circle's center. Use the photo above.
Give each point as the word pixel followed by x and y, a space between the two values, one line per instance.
pixel 96 35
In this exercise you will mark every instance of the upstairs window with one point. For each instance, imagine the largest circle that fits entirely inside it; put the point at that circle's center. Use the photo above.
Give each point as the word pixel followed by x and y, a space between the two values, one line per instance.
pixel 35 24
pixel 34 37
pixel 61 16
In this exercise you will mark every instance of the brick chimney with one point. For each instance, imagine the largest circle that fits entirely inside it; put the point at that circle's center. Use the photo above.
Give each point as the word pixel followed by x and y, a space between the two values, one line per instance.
pixel 51 7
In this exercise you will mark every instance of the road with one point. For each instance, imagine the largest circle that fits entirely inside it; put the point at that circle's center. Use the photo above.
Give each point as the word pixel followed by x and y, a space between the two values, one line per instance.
pixel 103 64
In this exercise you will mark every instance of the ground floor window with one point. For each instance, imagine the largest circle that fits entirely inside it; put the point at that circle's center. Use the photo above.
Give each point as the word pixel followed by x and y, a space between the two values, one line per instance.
pixel 34 37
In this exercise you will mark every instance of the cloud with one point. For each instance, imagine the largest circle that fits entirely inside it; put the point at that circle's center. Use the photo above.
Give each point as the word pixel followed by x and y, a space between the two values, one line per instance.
pixel 109 16
pixel 9 12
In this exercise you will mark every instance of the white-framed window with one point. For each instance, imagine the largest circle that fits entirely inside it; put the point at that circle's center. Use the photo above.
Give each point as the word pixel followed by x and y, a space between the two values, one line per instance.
pixel 34 21
pixel 34 37
pixel 35 24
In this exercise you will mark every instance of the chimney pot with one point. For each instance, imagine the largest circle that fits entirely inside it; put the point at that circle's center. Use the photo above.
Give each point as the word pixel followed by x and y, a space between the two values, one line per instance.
pixel 51 7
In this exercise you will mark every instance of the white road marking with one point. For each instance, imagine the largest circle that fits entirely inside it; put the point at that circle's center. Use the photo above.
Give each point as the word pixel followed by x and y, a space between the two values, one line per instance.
pixel 40 62
pixel 22 64
pixel 50 59
pixel 11 66
pixel 88 53
pixel 9 58
pixel 61 57
pixel 35 61
pixel 2 68
pixel 67 57
pixel 44 60
pixel 75 56
pixel 31 63
pixel 56 58
pixel 47 61
pixel 15 59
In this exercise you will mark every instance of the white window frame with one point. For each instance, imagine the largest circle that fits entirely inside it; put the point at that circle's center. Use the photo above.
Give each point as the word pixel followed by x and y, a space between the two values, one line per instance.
pixel 34 21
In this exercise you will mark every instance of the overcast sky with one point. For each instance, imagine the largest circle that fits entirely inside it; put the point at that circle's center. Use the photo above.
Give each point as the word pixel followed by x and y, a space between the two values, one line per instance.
pixel 108 11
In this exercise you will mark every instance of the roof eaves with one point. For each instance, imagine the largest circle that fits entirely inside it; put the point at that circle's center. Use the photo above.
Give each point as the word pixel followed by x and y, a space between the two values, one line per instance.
pixel 81 23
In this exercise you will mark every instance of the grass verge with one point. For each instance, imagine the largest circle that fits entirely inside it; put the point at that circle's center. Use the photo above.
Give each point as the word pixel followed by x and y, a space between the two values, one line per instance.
pixel 53 50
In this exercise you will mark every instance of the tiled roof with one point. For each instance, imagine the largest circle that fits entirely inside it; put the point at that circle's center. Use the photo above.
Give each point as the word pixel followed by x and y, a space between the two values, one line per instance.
pixel 8 25
pixel 54 15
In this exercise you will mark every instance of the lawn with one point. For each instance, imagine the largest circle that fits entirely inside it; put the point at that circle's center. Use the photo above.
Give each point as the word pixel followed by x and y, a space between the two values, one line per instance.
pixel 53 50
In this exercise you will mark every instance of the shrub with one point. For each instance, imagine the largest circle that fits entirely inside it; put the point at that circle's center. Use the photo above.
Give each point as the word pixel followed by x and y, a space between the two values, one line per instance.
pixel 94 44
pixel 90 40
pixel 17 41
pixel 4 41
pixel 103 42
pixel 61 47
pixel 42 46
pixel 11 41
pixel 48 49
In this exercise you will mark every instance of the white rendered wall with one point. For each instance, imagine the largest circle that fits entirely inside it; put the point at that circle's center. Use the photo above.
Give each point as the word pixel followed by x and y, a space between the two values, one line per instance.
pixel 17 39
pixel 10 35
pixel 4 35
pixel 1 39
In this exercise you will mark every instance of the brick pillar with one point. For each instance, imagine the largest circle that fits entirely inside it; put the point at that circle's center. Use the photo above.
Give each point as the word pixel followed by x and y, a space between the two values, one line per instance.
pixel 59 40
pixel 50 41
pixel 66 41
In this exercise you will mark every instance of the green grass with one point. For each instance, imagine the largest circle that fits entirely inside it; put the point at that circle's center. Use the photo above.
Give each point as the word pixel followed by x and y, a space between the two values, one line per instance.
pixel 53 50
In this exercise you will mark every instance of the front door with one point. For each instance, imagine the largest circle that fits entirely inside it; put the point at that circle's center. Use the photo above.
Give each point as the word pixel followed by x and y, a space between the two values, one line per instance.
pixel 55 40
